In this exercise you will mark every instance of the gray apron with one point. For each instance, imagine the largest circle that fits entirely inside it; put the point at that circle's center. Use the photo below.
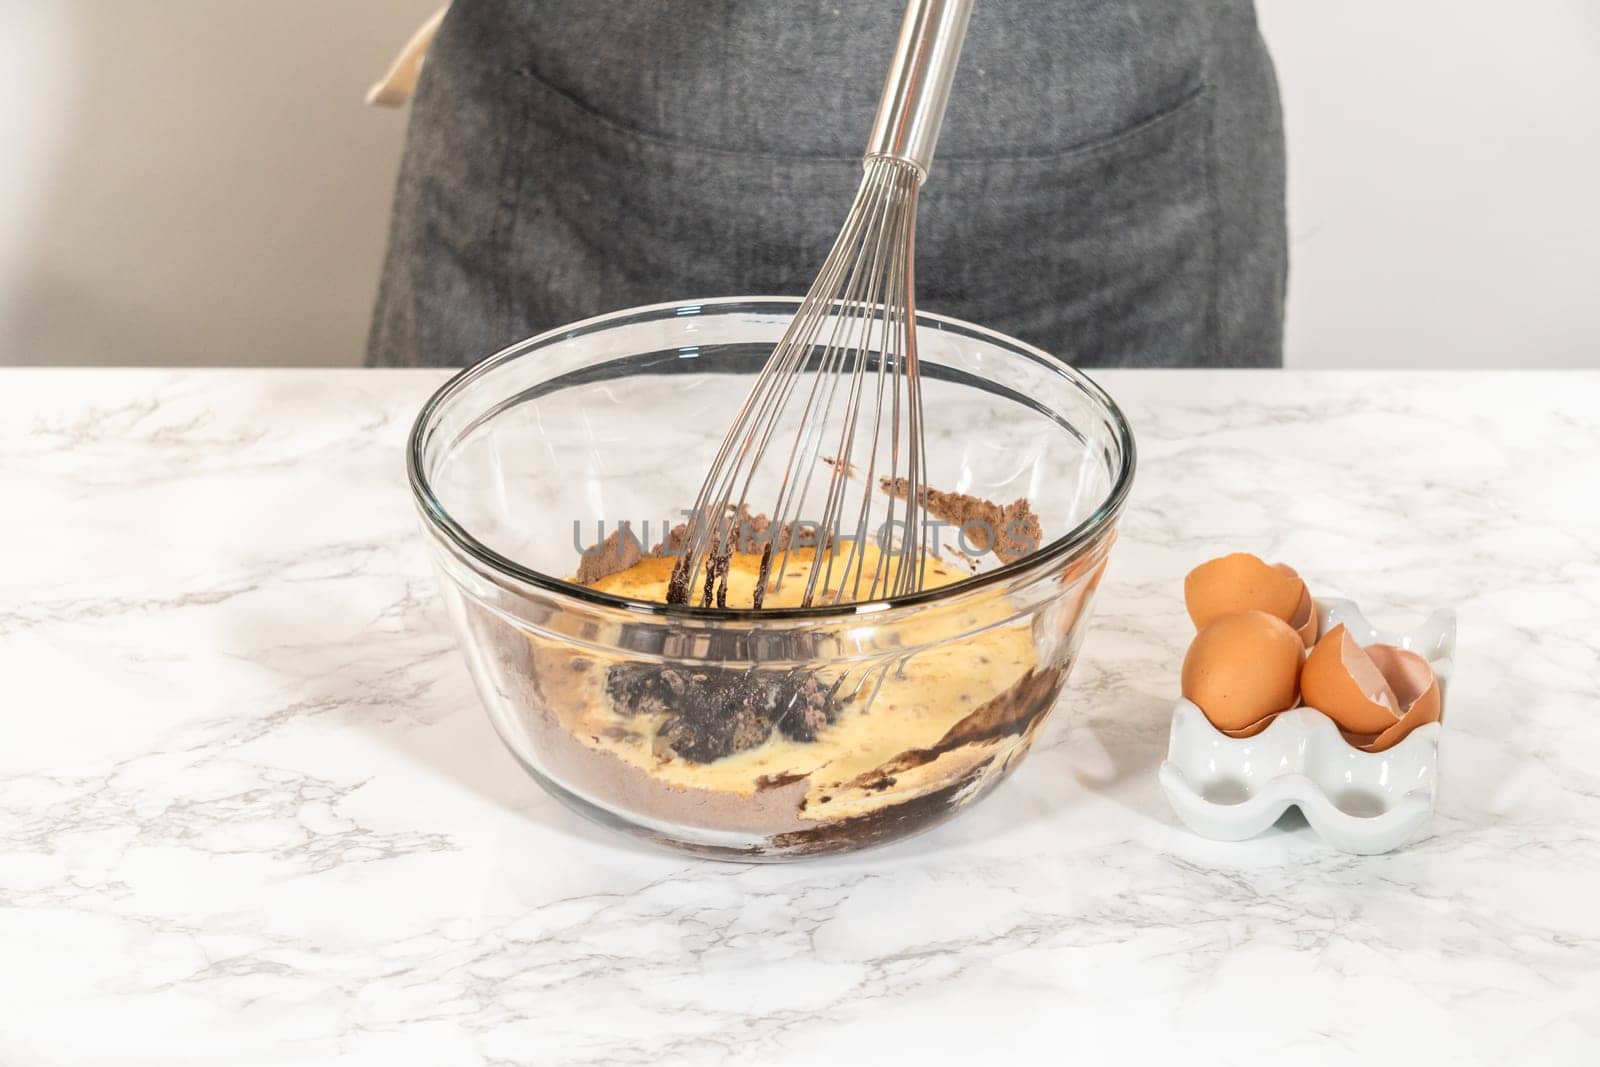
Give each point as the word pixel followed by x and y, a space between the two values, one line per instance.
pixel 1109 184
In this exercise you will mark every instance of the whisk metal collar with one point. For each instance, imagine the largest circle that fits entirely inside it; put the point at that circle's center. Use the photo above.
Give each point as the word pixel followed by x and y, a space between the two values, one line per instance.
pixel 917 90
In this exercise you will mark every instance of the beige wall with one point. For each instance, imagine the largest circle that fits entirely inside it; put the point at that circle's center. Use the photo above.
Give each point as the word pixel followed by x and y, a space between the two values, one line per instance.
pixel 193 181
pixel 197 181
pixel 1444 158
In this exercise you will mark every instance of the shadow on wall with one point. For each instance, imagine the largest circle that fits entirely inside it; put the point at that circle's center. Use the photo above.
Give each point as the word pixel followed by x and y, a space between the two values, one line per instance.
pixel 198 183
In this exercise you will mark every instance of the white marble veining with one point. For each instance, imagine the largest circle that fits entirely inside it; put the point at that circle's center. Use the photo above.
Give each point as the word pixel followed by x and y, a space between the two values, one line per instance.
pixel 250 811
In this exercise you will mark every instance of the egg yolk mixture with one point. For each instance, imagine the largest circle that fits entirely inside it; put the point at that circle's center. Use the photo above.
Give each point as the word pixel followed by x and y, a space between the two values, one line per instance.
pixel 649 578
pixel 861 735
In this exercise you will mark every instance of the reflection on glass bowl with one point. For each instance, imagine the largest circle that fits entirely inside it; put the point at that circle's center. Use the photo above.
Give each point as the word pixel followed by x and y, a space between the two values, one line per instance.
pixel 740 734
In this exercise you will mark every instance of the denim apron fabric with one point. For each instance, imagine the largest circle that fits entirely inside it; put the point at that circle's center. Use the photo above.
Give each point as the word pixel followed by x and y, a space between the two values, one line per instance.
pixel 1109 184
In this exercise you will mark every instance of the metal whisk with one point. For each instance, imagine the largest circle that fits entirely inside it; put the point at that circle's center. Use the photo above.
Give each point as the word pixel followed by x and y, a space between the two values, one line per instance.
pixel 855 334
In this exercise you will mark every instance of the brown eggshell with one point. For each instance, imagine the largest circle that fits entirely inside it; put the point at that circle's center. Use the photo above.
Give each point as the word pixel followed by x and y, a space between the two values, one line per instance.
pixel 1243 668
pixel 1253 729
pixel 1240 582
pixel 1304 619
pixel 1341 681
pixel 1415 687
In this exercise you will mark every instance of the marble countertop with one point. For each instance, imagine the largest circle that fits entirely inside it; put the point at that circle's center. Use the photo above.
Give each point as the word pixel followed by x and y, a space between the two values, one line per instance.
pixel 250 810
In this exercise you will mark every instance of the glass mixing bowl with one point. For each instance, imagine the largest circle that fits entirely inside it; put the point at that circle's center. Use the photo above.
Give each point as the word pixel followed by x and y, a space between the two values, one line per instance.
pixel 912 708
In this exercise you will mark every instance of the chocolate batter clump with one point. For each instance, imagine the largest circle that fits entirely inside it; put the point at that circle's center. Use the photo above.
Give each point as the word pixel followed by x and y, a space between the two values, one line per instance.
pixel 1010 531
pixel 713 712
pixel 616 553
pixel 805 707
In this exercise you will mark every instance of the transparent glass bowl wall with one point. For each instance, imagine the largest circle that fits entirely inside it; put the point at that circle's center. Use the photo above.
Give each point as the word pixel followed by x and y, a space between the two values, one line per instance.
pixel 518 461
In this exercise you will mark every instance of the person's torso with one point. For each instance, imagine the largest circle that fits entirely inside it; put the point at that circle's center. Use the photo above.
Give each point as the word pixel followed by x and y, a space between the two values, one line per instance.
pixel 803 78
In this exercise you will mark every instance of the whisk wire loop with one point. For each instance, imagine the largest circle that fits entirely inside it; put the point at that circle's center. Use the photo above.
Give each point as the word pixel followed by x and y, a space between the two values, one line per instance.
pixel 858 317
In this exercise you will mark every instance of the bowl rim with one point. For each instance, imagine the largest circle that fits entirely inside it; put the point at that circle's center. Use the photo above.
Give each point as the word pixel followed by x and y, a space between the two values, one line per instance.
pixel 1072 543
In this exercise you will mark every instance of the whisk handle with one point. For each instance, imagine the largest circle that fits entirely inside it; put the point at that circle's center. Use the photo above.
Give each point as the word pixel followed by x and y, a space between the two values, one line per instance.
pixel 918 86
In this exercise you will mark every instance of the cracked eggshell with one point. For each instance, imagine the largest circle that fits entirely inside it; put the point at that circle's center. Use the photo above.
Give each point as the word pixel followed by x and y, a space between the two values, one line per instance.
pixel 1416 691
pixel 1375 694
pixel 1341 681
pixel 1242 669
pixel 1251 730
pixel 1304 619
pixel 1242 582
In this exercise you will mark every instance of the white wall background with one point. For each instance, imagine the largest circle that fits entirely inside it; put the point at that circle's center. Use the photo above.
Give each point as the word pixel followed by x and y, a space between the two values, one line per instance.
pixel 195 182
pixel 1444 180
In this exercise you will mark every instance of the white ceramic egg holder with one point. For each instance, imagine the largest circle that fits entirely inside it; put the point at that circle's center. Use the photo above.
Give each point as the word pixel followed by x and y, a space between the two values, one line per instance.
pixel 1362 802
